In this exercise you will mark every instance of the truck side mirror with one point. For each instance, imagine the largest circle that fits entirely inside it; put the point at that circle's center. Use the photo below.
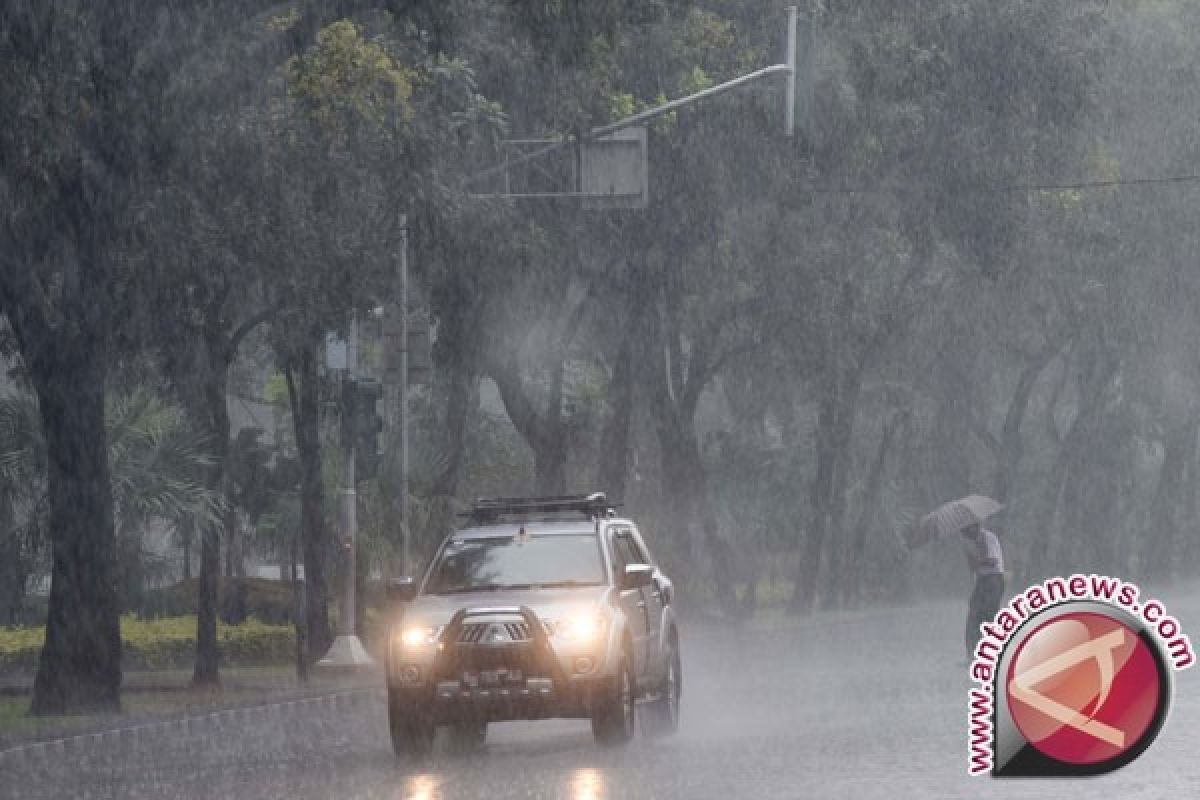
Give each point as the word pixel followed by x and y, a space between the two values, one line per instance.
pixel 637 575
pixel 401 590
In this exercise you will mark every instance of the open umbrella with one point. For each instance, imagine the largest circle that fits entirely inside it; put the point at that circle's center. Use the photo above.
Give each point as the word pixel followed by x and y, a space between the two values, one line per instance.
pixel 952 517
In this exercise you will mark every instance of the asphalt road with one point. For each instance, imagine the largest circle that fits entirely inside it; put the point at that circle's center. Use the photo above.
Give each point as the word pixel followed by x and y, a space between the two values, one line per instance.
pixel 864 705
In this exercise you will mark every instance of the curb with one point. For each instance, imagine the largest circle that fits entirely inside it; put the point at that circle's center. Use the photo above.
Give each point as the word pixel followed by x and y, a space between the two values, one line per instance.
pixel 129 739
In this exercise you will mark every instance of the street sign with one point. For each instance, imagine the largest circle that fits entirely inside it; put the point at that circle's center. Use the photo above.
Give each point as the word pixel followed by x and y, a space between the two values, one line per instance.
pixel 612 170
pixel 420 349
pixel 336 352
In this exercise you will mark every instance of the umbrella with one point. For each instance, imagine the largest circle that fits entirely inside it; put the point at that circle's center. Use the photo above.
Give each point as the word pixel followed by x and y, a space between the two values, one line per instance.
pixel 952 517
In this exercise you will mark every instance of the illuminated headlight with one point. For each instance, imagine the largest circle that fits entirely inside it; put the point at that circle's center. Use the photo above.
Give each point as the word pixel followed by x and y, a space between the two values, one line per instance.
pixel 415 637
pixel 580 627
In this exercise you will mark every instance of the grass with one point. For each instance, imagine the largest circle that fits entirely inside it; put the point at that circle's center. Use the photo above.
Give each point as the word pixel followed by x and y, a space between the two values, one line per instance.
pixel 162 694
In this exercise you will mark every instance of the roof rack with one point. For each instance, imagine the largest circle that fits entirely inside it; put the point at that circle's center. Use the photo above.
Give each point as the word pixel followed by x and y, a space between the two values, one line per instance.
pixel 488 509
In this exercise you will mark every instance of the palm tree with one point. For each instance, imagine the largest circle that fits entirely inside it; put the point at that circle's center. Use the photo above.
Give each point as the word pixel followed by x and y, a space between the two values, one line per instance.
pixel 23 506
pixel 156 464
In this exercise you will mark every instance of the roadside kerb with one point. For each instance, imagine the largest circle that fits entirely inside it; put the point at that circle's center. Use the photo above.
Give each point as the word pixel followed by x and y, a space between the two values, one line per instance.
pixel 128 739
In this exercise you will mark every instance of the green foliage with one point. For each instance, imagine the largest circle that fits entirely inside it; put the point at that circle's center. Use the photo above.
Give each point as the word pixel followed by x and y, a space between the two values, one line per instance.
pixel 157 462
pixel 276 390
pixel 155 458
pixel 265 600
pixel 163 643
pixel 347 80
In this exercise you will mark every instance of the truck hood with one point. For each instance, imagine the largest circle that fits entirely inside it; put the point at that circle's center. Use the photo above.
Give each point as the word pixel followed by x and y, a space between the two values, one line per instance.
pixel 548 604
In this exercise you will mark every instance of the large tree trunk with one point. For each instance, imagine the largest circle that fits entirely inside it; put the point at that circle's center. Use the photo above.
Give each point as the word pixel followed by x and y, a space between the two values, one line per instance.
pixel 544 432
pixel 830 590
pixel 205 671
pixel 854 575
pixel 80 664
pixel 304 396
pixel 804 593
pixel 461 402
pixel 684 477
pixel 550 465
pixel 823 552
pixel 185 540
pixel 614 441
pixel 1012 449
pixel 1165 539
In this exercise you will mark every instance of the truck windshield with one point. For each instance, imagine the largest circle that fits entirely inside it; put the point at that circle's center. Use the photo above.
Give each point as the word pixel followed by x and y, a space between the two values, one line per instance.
pixel 521 562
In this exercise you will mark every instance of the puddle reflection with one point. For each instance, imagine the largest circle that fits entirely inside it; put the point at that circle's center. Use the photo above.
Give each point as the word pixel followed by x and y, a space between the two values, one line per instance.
pixel 421 787
pixel 587 784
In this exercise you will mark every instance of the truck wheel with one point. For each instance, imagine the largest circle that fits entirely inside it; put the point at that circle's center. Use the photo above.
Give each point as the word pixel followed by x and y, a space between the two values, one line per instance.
pixel 468 735
pixel 613 716
pixel 662 713
pixel 411 727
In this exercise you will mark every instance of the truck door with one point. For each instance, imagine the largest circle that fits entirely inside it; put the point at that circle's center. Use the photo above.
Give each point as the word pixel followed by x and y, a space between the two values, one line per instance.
pixel 633 601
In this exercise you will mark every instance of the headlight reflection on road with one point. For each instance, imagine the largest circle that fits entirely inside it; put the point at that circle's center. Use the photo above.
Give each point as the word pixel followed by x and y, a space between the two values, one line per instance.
pixel 587 784
pixel 421 787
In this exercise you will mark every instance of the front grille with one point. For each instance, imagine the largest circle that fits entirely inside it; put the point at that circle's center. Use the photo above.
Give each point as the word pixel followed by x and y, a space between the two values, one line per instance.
pixel 476 632
pixel 510 657
pixel 472 633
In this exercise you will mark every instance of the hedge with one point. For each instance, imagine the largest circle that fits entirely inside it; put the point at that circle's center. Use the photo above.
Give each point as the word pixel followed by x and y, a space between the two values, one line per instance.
pixel 267 600
pixel 164 643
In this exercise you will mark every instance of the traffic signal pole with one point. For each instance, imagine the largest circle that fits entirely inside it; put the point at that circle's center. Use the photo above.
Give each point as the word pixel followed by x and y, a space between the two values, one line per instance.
pixel 797 70
pixel 402 400
pixel 347 651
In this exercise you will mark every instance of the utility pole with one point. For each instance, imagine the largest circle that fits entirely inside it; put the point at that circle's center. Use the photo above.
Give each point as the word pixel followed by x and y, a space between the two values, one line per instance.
pixel 402 392
pixel 397 364
pixel 347 651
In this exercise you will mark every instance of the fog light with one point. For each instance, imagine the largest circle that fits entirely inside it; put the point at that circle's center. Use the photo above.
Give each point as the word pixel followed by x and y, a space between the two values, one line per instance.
pixel 411 673
pixel 584 664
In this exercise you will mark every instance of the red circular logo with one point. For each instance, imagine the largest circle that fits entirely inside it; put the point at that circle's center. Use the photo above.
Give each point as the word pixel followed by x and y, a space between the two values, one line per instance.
pixel 1084 688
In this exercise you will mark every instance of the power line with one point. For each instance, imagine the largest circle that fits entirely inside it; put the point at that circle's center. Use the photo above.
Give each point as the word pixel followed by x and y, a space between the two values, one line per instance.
pixel 1103 184
pixel 1024 187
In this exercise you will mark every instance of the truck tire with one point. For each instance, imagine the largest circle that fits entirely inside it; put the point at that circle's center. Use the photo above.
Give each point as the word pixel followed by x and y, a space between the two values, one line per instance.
pixel 468 735
pixel 662 713
pixel 613 716
pixel 411 727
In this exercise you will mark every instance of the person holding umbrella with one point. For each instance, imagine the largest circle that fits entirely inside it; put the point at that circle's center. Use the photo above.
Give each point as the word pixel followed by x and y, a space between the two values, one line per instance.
pixel 985 559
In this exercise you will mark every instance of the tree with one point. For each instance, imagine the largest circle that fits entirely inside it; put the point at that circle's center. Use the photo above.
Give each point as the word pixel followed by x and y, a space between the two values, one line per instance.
pixel 73 157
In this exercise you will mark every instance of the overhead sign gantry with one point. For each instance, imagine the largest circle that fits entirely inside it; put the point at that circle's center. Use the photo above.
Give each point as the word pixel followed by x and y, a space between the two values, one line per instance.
pixel 607 168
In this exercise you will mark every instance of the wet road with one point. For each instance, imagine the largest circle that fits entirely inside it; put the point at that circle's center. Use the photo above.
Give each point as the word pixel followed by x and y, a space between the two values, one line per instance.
pixel 864 705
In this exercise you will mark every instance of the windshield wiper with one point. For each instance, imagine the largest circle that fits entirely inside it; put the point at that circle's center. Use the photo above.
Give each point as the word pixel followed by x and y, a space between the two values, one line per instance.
pixel 499 587
pixel 482 587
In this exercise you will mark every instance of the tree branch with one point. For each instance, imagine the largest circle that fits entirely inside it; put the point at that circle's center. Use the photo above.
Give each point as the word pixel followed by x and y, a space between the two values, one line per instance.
pixel 24 304
pixel 243 330
pixel 525 418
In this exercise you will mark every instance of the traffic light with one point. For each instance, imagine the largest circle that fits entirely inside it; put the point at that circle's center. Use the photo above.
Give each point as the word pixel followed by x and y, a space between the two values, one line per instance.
pixel 362 423
pixel 368 429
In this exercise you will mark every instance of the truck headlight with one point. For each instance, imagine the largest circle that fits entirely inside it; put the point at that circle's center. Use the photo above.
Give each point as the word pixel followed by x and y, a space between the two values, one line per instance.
pixel 419 636
pixel 580 627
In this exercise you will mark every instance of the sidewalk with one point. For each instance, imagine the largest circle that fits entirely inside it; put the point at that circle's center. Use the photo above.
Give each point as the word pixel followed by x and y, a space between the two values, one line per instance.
pixel 148 697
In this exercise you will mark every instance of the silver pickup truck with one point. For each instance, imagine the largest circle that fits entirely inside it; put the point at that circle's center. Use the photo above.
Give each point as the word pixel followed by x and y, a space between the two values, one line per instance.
pixel 537 608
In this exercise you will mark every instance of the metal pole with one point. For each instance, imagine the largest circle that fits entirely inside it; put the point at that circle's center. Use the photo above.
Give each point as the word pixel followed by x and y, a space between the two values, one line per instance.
pixel 349 492
pixel 804 74
pixel 347 651
pixel 789 100
pixel 402 484
pixel 667 108
pixel 636 119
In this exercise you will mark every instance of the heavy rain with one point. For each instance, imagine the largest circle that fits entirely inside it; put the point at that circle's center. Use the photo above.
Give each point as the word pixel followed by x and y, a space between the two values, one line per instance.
pixel 599 398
